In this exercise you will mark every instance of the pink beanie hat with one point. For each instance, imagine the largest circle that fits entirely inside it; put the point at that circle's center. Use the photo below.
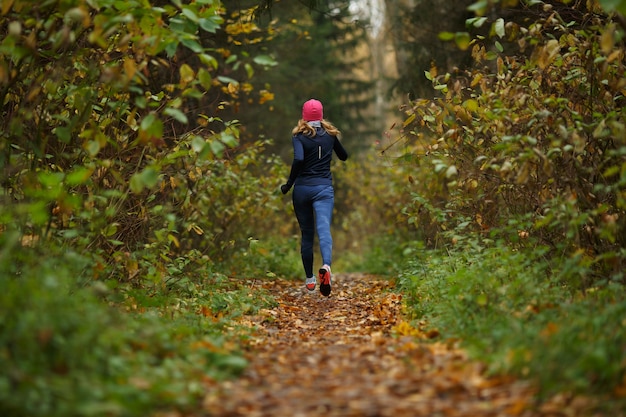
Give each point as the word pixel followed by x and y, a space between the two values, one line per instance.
pixel 312 110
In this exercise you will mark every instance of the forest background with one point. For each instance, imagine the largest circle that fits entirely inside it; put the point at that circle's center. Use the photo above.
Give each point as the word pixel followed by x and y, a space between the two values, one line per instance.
pixel 143 143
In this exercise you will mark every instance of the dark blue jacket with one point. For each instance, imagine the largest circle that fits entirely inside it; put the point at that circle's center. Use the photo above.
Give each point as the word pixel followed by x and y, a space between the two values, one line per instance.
pixel 312 157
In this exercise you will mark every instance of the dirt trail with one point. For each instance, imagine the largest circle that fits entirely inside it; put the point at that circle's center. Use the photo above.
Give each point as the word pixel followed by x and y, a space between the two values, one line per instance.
pixel 345 356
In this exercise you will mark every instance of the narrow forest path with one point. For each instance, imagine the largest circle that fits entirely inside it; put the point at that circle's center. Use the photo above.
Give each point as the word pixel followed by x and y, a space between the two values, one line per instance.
pixel 340 356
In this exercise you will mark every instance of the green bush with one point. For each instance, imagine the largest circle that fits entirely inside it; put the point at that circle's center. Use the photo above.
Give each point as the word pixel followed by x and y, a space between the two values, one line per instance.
pixel 509 309
pixel 534 130
pixel 522 163
pixel 268 258
pixel 72 349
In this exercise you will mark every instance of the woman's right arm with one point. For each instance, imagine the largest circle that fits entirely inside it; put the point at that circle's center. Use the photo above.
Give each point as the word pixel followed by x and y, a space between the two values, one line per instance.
pixel 340 150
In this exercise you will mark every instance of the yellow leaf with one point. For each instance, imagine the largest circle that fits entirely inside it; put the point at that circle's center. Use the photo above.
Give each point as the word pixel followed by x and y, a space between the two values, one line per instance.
pixel 549 330
pixel 265 96
pixel 462 40
pixel 615 55
pixel 500 65
pixel 405 329
pixel 132 267
pixel 433 72
pixel 471 104
pixel 408 120
pixel 548 53
pixel 233 88
pixel 187 74
pixel 476 80
pixel 174 240
pixel 607 40
pixel 479 53
pixel 6 6
pixel 130 67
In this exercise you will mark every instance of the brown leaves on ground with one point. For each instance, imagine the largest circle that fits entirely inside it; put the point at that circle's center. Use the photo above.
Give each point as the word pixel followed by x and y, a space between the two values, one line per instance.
pixel 351 355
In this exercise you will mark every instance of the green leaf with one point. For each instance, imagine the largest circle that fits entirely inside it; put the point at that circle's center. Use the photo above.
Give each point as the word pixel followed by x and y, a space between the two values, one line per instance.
pixel 150 177
pixel 249 70
pixel 217 148
pixel 39 212
pixel 227 80
pixel 229 140
pixel 148 121
pixel 192 44
pixel 64 133
pixel 151 127
pixel 79 176
pixel 491 56
pixel 189 14
pixel 498 27
pixel 147 178
pixel 476 21
pixel 176 114
pixel 205 78
pixel 197 143
pixel 211 24
pixel 462 40
pixel 51 179
pixel 92 147
pixel 479 7
pixel 170 49
pixel 446 36
pixel 135 183
pixel 482 300
pixel 208 60
pixel 451 171
pixel 265 60
pixel 109 230
pixel 611 5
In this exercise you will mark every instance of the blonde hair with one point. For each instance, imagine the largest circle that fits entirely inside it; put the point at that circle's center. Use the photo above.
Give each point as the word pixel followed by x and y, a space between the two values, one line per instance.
pixel 304 127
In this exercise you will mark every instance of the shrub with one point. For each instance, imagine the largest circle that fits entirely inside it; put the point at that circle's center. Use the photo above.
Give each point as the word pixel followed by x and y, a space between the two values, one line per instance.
pixel 71 346
pixel 510 311
pixel 535 131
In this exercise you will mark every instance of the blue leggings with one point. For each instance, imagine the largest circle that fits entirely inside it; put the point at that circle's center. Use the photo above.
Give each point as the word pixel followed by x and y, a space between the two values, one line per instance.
pixel 313 205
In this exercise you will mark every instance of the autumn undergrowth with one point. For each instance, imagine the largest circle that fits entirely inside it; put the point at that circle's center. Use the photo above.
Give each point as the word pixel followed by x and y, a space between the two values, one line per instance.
pixel 267 258
pixel 521 312
pixel 104 348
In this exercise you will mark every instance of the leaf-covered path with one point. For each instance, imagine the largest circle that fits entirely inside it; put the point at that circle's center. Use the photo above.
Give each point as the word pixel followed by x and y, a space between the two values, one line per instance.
pixel 345 356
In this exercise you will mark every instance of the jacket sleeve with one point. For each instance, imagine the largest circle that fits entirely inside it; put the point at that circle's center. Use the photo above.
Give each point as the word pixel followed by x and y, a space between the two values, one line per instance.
pixel 298 161
pixel 340 150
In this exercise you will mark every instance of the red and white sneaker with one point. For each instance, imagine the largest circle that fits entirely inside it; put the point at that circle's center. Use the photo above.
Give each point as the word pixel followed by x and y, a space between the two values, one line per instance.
pixel 325 279
pixel 310 283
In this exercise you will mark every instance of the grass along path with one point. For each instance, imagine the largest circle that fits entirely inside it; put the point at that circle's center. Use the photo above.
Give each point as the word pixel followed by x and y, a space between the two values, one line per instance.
pixel 346 356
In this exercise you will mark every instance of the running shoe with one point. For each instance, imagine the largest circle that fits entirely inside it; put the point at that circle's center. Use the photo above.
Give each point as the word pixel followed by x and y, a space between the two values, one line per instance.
pixel 310 283
pixel 325 278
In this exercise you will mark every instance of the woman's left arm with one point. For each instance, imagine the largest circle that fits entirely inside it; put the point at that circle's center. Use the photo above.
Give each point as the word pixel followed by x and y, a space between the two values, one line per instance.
pixel 296 165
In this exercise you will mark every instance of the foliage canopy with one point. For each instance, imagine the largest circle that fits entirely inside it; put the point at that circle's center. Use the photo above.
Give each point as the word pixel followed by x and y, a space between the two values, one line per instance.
pixel 529 146
pixel 122 181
